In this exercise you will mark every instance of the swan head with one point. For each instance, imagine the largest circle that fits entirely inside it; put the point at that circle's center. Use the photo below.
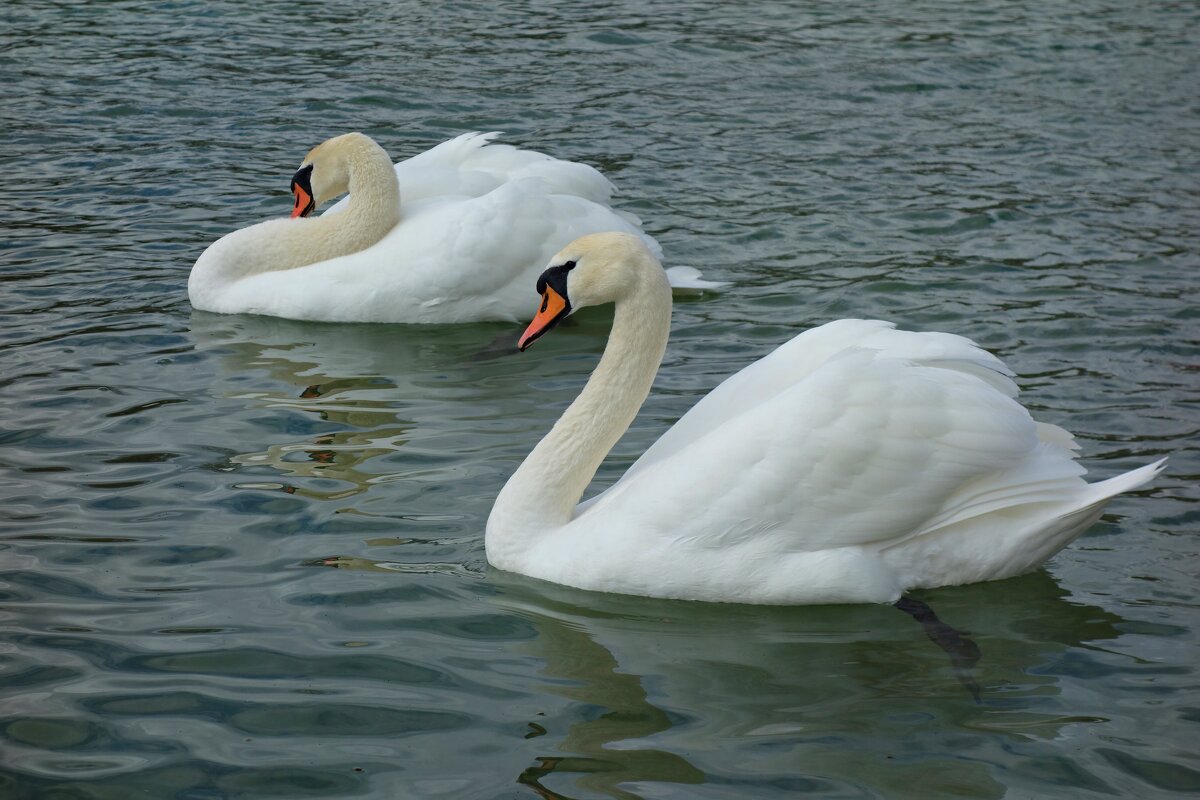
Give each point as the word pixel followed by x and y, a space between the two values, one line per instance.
pixel 324 175
pixel 592 270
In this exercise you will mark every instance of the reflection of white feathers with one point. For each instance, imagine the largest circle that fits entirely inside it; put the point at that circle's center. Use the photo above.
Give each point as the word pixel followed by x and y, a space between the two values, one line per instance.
pixel 852 463
pixel 477 222
pixel 813 689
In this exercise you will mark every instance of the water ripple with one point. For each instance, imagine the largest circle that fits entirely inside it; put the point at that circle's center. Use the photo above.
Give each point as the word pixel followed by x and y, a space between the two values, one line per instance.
pixel 1021 175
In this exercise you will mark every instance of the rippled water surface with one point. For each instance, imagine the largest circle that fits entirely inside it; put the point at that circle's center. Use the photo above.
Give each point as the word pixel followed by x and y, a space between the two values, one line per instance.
pixel 243 557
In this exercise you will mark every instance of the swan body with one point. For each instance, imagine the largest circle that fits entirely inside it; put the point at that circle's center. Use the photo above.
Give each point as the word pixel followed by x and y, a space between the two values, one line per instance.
pixel 851 464
pixel 455 234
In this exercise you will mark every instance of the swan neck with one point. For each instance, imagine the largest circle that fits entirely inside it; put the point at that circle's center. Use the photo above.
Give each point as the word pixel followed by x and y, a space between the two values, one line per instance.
pixel 372 210
pixel 374 190
pixel 543 492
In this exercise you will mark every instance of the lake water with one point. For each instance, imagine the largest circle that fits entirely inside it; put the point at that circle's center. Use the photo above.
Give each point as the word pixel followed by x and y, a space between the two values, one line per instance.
pixel 243 557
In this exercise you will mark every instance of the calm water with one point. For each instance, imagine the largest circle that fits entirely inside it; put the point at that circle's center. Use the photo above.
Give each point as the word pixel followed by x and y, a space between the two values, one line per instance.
pixel 178 488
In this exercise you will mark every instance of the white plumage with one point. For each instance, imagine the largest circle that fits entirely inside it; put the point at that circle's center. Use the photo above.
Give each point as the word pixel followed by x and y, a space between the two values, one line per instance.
pixel 462 239
pixel 852 463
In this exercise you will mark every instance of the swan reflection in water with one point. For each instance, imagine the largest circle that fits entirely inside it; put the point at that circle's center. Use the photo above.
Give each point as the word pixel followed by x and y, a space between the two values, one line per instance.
pixel 359 390
pixel 776 700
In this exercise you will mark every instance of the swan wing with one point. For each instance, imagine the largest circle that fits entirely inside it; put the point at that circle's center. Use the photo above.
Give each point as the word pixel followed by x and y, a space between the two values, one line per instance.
pixel 864 448
pixel 472 165
pixel 798 358
pixel 490 249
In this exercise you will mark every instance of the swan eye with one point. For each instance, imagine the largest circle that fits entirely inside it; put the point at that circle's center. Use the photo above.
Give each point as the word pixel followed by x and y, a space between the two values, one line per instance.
pixel 302 191
pixel 556 277
pixel 303 177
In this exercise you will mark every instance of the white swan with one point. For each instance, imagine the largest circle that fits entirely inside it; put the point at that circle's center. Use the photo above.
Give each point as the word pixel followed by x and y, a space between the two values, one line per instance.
pixel 455 234
pixel 854 462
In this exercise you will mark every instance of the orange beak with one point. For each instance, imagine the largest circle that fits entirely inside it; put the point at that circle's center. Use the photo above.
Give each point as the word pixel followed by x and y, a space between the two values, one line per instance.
pixel 304 202
pixel 554 308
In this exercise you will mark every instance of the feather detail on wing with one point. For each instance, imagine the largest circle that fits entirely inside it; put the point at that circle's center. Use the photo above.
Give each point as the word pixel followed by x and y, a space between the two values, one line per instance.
pixel 883 434
pixel 797 359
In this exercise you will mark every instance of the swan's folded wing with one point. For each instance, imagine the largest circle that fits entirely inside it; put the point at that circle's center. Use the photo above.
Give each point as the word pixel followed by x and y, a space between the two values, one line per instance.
pixel 509 235
pixel 796 360
pixel 472 166
pixel 864 450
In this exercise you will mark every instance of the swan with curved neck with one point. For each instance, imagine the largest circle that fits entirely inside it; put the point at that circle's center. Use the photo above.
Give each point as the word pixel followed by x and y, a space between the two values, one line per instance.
pixel 851 464
pixel 455 234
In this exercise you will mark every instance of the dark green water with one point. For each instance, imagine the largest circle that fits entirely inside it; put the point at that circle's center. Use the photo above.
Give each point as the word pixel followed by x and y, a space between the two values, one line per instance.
pixel 177 486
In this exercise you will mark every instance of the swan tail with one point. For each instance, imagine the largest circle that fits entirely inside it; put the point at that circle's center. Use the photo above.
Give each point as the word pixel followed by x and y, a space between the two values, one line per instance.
pixel 1009 538
pixel 688 280
pixel 1103 491
pixel 1051 479
pixel 1043 543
